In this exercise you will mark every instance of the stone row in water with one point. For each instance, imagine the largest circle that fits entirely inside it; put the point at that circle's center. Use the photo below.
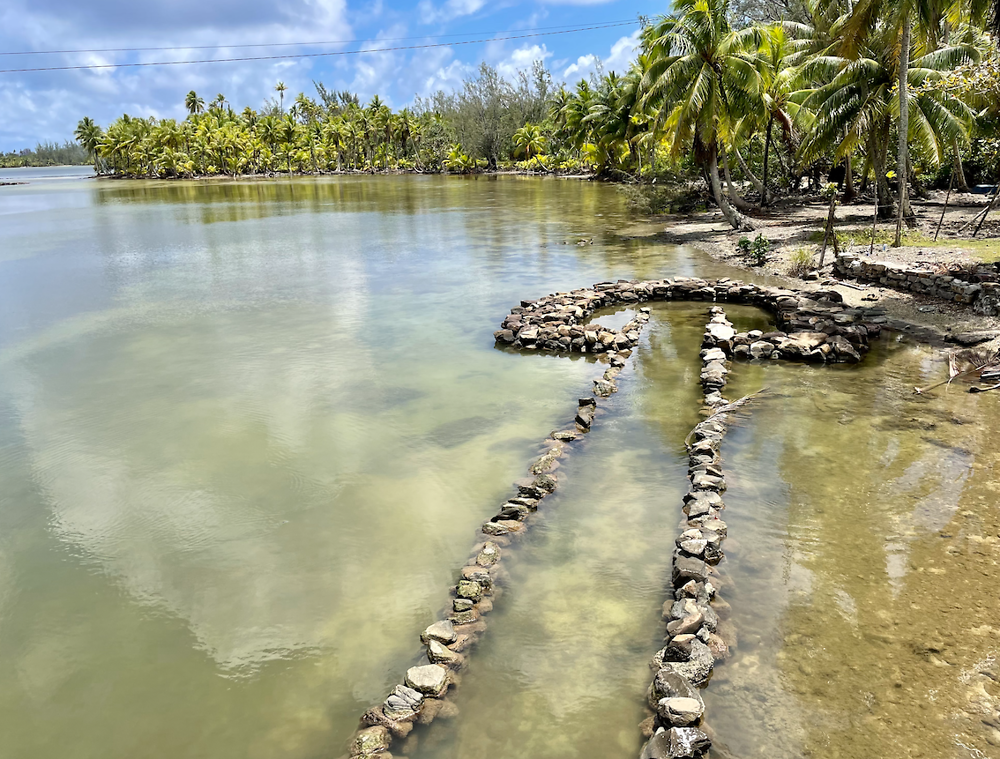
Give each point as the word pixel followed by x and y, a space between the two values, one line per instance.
pixel 421 697
pixel 716 348
pixel 693 644
pixel 812 325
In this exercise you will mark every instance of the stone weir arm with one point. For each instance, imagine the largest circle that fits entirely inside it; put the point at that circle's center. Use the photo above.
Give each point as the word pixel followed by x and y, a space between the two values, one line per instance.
pixel 813 326
pixel 694 612
pixel 423 694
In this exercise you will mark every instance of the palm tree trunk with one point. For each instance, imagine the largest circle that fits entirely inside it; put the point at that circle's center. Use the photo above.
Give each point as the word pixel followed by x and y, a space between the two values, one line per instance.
pixel 877 151
pixel 734 217
pixel 961 185
pixel 757 184
pixel 735 198
pixel 849 192
pixel 902 153
pixel 767 152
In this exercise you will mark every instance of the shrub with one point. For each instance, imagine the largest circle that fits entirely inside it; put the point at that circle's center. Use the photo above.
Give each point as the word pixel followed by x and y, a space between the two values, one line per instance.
pixel 754 253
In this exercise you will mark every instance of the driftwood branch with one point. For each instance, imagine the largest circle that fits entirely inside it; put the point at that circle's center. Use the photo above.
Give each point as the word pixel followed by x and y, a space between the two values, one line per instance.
pixel 734 406
pixel 984 389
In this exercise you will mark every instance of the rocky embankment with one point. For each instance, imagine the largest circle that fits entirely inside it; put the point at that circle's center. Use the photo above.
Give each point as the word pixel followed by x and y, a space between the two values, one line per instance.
pixel 984 297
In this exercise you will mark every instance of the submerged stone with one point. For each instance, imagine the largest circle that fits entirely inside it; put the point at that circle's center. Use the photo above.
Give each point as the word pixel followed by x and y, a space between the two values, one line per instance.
pixel 370 741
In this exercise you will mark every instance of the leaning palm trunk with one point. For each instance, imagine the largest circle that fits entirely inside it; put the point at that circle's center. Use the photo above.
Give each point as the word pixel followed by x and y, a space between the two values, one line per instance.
pixel 735 198
pixel 902 156
pixel 757 184
pixel 735 218
pixel 767 149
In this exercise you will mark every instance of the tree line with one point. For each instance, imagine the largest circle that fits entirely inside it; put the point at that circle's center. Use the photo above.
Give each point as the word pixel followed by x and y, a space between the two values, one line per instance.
pixel 46 154
pixel 889 96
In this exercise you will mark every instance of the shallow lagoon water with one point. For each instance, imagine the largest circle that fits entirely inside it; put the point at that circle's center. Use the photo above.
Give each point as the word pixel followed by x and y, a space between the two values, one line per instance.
pixel 249 428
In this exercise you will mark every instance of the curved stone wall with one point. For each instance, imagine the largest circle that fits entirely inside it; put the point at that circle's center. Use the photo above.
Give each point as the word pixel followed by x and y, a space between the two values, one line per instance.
pixel 812 326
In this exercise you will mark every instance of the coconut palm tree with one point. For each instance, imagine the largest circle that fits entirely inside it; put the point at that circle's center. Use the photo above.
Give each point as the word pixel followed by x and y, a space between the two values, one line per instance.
pixel 89 135
pixel 860 101
pixel 530 141
pixel 281 88
pixel 193 103
pixel 702 78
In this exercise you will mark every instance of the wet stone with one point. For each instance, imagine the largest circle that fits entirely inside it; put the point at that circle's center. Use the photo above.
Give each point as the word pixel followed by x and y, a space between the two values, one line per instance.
pixel 462 604
pixel 429 679
pixel 464 617
pixel 469 589
pixel 439 654
pixel 402 703
pixel 681 712
pixel 443 631
pixel 370 741
pixel 546 483
pixel 686 568
pixel 489 555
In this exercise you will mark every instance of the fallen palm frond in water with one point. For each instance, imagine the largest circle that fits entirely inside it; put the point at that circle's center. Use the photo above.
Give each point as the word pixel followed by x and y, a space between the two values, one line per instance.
pixel 976 362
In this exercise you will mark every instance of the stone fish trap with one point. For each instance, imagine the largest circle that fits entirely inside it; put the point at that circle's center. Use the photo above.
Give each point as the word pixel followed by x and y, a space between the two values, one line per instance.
pixel 813 326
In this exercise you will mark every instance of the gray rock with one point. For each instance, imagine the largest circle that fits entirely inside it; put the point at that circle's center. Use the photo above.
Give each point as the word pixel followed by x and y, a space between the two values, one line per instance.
pixel 429 679
pixel 681 712
pixel 689 624
pixel 438 654
pixel 443 631
pixel 687 742
pixel 686 568
pixel 403 703
pixel 677 743
pixel 694 547
pixel 469 589
pixel 699 667
pixel 668 684
pixel 489 555
pixel 370 741
pixel 462 604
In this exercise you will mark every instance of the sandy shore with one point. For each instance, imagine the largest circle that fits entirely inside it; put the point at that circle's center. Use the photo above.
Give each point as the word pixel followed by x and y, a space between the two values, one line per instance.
pixel 792 229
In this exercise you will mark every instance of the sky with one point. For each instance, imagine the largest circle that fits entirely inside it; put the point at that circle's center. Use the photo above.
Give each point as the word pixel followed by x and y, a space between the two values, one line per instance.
pixel 46 105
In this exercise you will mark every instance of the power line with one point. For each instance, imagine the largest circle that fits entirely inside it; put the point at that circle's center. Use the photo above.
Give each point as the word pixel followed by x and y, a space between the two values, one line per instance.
pixel 287 44
pixel 315 55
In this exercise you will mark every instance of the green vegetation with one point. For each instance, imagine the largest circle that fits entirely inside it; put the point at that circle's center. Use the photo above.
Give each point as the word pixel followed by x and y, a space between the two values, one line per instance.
pixel 800 262
pixel 748 108
pixel 985 250
pixel 754 252
pixel 46 154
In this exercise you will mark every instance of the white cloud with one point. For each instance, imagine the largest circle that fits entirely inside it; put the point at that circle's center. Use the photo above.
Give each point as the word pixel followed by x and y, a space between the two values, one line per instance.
pixel 522 59
pixel 47 105
pixel 452 9
pixel 619 60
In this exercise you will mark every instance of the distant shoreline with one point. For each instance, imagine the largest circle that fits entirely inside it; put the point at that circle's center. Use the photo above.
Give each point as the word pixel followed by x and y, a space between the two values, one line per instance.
pixel 359 173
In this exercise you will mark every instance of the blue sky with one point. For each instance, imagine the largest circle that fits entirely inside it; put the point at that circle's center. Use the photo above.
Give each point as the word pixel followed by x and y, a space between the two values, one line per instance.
pixel 47 105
